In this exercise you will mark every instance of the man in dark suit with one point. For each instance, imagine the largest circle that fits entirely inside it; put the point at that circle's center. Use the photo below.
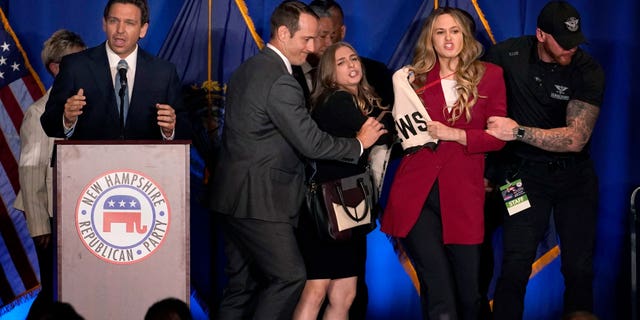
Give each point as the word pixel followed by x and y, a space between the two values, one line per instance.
pixel 84 103
pixel 259 180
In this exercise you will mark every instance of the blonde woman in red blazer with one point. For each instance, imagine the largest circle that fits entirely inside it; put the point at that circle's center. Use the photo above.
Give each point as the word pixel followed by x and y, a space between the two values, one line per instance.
pixel 436 201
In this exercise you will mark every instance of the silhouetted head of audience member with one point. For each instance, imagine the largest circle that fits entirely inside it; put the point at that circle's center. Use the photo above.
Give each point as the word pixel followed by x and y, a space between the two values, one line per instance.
pixel 55 311
pixel 580 315
pixel 169 309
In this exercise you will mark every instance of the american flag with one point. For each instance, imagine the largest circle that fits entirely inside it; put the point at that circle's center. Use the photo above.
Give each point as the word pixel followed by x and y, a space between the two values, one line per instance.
pixel 19 88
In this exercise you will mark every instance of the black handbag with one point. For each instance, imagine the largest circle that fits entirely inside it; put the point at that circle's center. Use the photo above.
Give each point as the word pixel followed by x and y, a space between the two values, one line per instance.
pixel 339 207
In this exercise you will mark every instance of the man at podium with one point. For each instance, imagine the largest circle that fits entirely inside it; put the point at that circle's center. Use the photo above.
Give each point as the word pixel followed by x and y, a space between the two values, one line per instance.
pixel 137 97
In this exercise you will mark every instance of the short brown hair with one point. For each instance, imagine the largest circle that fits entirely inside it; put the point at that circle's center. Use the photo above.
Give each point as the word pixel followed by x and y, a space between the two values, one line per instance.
pixel 288 14
pixel 142 4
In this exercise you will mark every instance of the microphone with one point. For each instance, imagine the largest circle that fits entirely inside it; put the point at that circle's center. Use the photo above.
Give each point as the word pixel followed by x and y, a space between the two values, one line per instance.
pixel 122 74
pixel 122 71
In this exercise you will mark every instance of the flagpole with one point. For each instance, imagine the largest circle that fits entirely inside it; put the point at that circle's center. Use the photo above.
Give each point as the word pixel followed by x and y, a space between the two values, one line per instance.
pixel 209 44
pixel 634 252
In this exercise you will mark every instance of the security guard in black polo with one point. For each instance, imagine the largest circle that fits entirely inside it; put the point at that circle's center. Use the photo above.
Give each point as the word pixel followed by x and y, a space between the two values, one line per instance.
pixel 554 92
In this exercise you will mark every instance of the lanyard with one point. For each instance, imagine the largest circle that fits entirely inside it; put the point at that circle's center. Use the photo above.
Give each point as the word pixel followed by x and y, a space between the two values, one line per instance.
pixel 432 83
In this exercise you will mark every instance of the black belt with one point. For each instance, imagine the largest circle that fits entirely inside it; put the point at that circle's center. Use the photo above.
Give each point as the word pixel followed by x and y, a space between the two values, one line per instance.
pixel 554 164
pixel 428 145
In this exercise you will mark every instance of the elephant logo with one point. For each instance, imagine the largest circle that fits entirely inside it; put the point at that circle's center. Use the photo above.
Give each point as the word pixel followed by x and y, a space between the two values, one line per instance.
pixel 123 209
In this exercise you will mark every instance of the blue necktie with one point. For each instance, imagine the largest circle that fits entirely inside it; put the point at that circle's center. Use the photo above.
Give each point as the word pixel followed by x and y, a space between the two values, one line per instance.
pixel 122 65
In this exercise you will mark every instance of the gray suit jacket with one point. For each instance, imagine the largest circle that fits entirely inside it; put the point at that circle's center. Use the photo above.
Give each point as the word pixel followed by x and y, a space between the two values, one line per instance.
pixel 267 132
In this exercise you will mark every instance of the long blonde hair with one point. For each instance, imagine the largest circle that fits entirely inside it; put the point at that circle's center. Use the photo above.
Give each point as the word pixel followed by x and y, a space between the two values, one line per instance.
pixel 366 99
pixel 469 69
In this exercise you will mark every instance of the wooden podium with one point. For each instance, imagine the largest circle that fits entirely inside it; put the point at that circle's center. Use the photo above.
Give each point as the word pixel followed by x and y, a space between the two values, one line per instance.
pixel 122 225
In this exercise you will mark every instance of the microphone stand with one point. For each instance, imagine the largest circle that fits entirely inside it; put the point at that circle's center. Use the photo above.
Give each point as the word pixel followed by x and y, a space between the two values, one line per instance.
pixel 121 94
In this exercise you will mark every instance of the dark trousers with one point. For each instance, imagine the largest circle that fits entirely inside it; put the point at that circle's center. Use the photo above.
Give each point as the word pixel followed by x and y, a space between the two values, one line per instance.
pixel 265 270
pixel 571 193
pixel 448 274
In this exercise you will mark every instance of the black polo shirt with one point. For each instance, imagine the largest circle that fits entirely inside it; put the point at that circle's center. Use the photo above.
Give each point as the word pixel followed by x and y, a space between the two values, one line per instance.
pixel 538 92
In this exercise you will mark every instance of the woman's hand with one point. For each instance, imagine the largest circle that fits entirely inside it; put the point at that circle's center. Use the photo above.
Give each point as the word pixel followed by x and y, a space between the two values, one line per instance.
pixel 441 131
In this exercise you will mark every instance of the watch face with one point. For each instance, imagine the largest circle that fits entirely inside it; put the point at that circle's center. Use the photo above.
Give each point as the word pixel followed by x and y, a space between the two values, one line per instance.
pixel 520 133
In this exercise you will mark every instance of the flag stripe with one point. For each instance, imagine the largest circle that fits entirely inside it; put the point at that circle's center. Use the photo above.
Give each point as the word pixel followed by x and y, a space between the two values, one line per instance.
pixel 12 278
pixel 7 192
pixel 10 167
pixel 6 293
pixel 16 250
pixel 12 106
pixel 34 88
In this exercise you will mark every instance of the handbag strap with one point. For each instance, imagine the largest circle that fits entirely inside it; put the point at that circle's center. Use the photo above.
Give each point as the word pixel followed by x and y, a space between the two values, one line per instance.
pixel 311 170
pixel 367 205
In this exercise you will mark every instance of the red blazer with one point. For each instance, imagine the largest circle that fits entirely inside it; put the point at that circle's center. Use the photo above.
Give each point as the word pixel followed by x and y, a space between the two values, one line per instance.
pixel 459 169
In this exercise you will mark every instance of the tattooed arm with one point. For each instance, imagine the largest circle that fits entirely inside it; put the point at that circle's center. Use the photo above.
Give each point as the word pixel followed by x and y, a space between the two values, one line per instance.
pixel 581 118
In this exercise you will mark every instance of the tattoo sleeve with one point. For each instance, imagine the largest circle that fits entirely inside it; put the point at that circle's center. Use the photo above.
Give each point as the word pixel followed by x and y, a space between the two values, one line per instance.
pixel 581 118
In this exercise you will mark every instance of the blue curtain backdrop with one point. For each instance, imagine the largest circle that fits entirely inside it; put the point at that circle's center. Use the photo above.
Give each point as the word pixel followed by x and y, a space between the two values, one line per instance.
pixel 375 27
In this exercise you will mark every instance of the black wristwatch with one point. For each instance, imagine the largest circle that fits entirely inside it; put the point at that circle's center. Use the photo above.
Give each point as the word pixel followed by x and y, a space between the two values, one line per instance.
pixel 520 133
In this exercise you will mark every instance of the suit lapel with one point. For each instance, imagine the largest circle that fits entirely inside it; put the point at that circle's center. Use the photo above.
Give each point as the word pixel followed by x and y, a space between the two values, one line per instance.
pixel 103 81
pixel 144 74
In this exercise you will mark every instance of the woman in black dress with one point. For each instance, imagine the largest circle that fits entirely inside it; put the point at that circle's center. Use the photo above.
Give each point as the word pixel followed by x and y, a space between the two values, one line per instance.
pixel 341 102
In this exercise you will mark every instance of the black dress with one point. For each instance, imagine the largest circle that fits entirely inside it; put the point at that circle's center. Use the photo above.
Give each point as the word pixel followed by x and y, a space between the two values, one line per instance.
pixel 328 259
